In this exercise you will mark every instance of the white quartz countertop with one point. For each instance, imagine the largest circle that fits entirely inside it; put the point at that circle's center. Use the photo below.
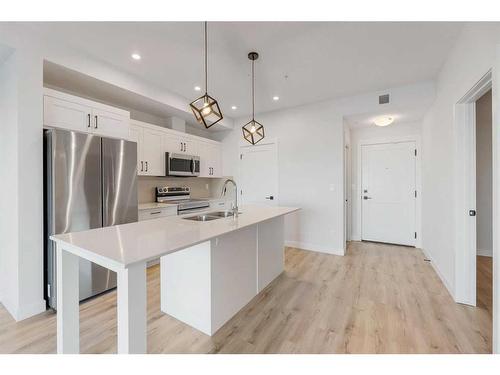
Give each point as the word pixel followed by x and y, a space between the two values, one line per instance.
pixel 123 245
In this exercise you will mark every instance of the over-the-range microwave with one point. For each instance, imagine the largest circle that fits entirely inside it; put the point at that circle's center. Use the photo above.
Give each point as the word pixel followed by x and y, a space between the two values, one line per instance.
pixel 182 165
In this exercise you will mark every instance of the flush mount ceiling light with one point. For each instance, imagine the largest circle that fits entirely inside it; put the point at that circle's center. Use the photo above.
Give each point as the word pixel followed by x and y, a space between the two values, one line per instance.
pixel 205 108
pixel 253 131
pixel 234 108
pixel 383 120
pixel 136 56
pixel 276 98
pixel 197 88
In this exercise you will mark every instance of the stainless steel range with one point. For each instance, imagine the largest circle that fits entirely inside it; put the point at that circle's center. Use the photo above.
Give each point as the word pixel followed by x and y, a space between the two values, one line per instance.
pixel 182 197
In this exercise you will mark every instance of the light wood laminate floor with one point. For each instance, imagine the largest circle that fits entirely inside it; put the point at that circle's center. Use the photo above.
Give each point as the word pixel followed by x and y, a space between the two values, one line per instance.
pixel 377 299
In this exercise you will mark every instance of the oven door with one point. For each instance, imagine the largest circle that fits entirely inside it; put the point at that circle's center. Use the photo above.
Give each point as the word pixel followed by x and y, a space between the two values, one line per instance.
pixel 180 165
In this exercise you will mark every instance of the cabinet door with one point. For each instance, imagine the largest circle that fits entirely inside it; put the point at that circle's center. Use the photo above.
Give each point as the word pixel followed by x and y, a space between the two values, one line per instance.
pixel 190 146
pixel 216 160
pixel 135 135
pixel 205 159
pixel 153 154
pixel 172 144
pixel 109 124
pixel 59 113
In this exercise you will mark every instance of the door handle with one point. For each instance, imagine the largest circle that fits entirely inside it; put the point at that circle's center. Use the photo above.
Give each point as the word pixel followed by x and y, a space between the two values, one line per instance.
pixel 365 197
pixel 95 121
pixel 271 198
pixel 472 212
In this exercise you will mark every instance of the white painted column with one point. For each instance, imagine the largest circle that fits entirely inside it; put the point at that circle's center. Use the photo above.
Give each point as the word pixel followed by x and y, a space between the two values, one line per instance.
pixel 132 309
pixel 68 313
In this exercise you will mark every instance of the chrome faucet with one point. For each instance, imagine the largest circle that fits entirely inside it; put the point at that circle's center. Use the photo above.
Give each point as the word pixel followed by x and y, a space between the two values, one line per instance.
pixel 234 205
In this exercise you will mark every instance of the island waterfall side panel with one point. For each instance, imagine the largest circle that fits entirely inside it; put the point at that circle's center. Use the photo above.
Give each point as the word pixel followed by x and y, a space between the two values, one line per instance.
pixel 234 276
pixel 270 251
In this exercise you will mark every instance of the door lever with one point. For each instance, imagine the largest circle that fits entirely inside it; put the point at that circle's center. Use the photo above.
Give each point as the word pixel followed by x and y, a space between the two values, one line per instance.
pixel 365 197
pixel 270 197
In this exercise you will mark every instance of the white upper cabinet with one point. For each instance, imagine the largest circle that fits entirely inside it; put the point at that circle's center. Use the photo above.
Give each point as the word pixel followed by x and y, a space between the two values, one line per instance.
pixel 210 159
pixel 150 155
pixel 110 124
pixel 179 144
pixel 71 112
pixel 64 114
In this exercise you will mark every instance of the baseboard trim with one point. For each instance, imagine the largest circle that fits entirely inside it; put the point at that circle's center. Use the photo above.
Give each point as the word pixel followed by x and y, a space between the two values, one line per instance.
pixel 313 247
pixel 440 275
pixel 485 253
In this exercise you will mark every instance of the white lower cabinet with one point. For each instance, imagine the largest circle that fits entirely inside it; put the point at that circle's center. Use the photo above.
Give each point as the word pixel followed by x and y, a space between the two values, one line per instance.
pixel 205 285
pixel 155 213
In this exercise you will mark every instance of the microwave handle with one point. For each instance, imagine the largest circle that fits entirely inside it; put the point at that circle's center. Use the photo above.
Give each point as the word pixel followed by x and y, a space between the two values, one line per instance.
pixel 192 166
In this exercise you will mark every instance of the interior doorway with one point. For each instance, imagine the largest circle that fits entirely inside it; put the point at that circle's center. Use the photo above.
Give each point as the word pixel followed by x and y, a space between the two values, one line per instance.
pixel 484 202
pixel 388 192
pixel 466 239
pixel 258 170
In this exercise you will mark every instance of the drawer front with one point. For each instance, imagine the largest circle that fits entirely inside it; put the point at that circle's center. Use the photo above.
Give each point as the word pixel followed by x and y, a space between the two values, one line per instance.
pixel 157 213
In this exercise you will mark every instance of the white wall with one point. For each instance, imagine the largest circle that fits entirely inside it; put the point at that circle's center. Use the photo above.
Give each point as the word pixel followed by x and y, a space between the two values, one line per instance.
pixel 8 176
pixel 310 152
pixel 484 175
pixel 471 58
pixel 394 132
pixel 22 185
pixel 310 144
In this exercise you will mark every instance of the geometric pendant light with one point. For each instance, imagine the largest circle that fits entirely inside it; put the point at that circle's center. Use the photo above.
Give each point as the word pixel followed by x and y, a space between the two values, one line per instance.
pixel 205 108
pixel 253 131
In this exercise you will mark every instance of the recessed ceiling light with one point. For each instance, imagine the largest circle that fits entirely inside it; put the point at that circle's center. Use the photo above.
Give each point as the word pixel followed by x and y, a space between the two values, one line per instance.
pixel 197 88
pixel 234 107
pixel 383 120
pixel 276 98
pixel 136 56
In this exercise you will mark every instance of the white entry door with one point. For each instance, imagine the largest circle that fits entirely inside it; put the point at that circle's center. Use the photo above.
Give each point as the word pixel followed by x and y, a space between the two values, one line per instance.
pixel 388 186
pixel 259 174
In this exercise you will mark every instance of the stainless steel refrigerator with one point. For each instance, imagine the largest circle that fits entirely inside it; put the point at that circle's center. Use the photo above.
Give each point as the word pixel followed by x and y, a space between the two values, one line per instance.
pixel 90 182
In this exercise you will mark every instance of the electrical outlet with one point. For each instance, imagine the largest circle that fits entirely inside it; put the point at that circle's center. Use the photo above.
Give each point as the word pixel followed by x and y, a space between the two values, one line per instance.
pixel 206 186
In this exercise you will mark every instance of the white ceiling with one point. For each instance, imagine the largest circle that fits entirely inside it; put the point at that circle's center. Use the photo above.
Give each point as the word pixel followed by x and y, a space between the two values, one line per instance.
pixel 301 62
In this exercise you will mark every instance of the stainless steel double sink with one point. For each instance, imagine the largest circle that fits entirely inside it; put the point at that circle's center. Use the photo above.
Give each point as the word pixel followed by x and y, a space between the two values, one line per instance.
pixel 211 216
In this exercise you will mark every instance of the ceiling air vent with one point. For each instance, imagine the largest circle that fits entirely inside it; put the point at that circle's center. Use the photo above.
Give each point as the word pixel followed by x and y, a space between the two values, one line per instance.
pixel 383 99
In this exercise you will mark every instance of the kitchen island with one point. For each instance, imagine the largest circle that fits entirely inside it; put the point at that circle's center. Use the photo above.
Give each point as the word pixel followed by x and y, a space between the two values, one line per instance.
pixel 210 269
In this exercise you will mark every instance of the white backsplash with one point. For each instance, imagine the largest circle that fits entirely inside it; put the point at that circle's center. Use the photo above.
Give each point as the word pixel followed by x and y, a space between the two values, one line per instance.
pixel 200 187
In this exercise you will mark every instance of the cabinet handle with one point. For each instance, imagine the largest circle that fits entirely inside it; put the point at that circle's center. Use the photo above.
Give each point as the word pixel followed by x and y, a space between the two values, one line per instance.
pixel 156 213
pixel 181 146
pixel 142 166
pixel 95 121
pixel 146 166
pixel 185 147
pixel 88 126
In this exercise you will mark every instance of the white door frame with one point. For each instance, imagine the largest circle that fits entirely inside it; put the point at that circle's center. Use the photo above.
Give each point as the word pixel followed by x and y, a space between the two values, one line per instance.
pixel 465 191
pixel 273 142
pixel 418 180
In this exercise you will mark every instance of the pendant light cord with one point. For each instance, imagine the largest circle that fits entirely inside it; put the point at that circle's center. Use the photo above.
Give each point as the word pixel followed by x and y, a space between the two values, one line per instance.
pixel 253 91
pixel 206 60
